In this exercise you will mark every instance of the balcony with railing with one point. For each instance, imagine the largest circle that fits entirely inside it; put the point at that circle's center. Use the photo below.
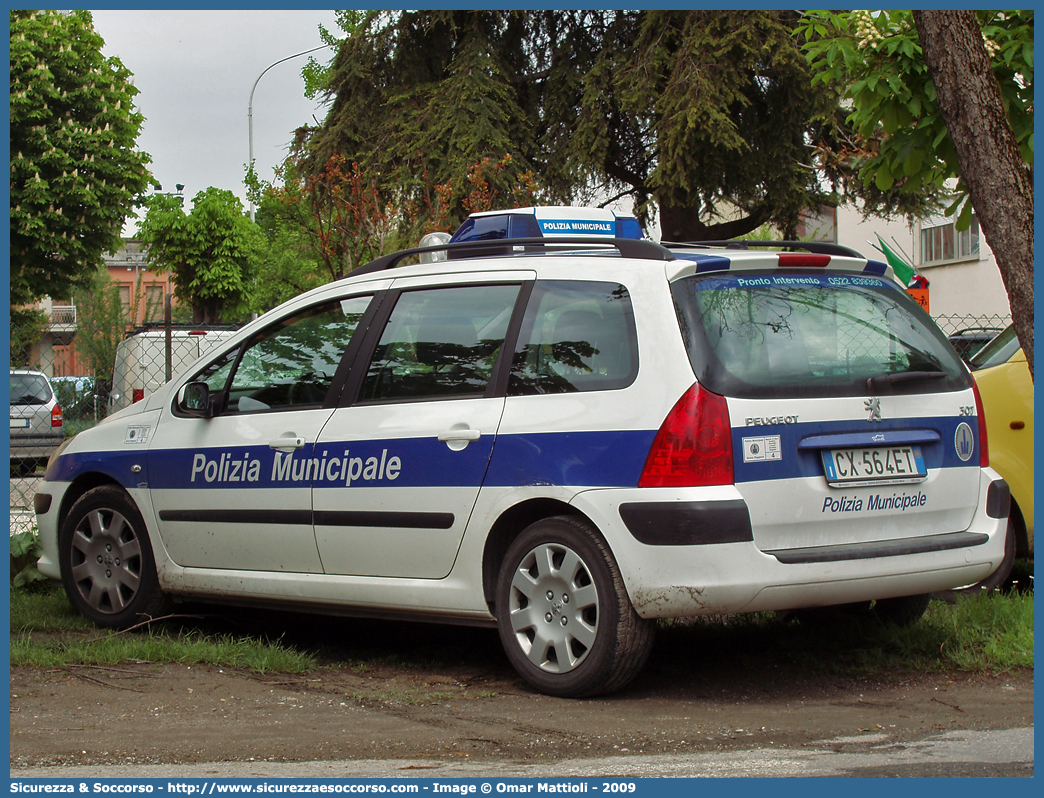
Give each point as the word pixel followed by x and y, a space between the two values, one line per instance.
pixel 63 318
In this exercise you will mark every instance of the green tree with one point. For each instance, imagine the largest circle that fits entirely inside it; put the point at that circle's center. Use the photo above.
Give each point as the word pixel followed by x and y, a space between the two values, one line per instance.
pixel 101 322
pixel 212 252
pixel 942 102
pixel 288 264
pixel 706 117
pixel 75 175
pixel 350 218
pixel 900 142
pixel 28 326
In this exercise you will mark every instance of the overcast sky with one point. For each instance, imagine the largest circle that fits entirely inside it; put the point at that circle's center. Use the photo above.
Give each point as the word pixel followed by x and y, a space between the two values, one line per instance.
pixel 194 71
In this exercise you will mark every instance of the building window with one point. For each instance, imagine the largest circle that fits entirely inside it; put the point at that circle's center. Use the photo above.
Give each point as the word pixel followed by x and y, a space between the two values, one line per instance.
pixel 943 243
pixel 125 300
pixel 154 309
pixel 818 225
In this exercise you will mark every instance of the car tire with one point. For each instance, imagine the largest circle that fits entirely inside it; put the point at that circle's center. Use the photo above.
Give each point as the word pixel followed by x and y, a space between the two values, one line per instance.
pixel 901 611
pixel 564 616
pixel 106 560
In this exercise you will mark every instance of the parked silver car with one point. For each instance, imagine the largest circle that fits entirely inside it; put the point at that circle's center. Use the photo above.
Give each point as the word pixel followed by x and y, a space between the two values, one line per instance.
pixel 36 421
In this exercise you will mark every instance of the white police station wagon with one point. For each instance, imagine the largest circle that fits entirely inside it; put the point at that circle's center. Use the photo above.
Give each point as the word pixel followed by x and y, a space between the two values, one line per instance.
pixel 567 440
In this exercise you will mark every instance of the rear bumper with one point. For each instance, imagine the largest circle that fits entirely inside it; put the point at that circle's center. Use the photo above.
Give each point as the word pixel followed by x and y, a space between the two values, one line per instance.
pixel 731 574
pixel 25 447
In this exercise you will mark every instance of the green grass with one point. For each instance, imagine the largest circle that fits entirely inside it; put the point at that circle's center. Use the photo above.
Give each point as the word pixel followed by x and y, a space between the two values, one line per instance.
pixel 987 633
pixel 44 609
pixel 978 633
pixel 106 648
pixel 47 633
pixel 409 698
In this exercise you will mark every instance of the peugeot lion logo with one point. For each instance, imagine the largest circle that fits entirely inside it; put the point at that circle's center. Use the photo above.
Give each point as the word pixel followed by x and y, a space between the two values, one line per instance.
pixel 873 408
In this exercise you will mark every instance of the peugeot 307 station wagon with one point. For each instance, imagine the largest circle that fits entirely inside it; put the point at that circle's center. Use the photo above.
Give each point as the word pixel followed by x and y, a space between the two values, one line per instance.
pixel 567 441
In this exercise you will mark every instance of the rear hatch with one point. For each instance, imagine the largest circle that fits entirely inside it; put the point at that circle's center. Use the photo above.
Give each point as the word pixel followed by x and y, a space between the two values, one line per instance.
pixel 31 408
pixel 853 420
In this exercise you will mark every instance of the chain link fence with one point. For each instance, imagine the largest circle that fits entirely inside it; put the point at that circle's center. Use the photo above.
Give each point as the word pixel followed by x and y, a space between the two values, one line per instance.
pixel 969 333
pixel 56 392
pixel 145 359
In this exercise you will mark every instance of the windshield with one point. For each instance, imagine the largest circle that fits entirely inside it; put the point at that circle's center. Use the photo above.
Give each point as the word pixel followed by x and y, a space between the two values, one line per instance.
pixel 29 389
pixel 795 334
pixel 997 351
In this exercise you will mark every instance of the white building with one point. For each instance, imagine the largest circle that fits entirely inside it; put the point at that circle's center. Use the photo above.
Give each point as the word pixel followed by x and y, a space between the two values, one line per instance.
pixel 960 267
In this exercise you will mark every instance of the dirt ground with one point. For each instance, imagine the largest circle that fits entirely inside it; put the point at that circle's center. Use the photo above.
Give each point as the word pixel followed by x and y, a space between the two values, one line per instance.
pixel 400 705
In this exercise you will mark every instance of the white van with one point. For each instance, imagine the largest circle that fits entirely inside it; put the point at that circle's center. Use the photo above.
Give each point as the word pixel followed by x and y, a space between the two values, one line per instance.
pixel 141 361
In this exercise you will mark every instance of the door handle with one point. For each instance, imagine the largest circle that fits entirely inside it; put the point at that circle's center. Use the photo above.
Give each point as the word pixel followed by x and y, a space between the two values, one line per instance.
pixel 287 442
pixel 460 435
pixel 457 439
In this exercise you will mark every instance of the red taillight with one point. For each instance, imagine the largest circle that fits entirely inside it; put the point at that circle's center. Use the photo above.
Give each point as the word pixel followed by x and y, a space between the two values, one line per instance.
pixel 693 445
pixel 802 259
pixel 56 416
pixel 137 395
pixel 984 447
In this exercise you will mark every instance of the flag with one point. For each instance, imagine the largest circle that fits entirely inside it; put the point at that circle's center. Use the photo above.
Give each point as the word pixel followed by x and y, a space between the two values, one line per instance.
pixel 904 272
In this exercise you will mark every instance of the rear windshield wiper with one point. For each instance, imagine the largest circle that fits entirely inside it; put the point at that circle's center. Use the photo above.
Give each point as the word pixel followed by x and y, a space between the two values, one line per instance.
pixel 904 376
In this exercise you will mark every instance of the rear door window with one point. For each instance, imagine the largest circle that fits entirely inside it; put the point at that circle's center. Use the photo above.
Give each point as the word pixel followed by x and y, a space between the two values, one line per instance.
pixel 798 335
pixel 576 336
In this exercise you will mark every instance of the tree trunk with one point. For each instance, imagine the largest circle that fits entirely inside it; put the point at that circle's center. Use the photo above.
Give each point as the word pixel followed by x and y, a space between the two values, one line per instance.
pixel 999 182
pixel 206 311
pixel 681 222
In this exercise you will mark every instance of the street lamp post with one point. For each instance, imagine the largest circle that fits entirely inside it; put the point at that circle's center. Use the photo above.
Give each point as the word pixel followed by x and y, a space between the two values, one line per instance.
pixel 250 107
pixel 168 319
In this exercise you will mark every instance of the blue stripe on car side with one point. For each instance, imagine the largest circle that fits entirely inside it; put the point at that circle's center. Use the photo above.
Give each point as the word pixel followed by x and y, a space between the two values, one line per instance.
pixel 589 459
pixel 401 462
pixel 798 461
pixel 117 465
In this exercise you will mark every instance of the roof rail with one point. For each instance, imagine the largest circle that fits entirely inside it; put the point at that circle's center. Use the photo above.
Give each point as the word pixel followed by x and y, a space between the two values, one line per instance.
pixel 638 248
pixel 818 247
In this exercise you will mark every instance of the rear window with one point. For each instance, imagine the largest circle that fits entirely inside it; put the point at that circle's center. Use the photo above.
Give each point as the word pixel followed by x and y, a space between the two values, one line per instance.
pixel 30 389
pixel 773 334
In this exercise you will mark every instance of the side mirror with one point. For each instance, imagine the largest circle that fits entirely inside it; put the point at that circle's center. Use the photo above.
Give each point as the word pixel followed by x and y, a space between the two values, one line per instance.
pixel 195 400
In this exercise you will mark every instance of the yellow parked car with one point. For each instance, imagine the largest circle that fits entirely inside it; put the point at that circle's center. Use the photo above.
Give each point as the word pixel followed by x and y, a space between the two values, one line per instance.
pixel 1003 378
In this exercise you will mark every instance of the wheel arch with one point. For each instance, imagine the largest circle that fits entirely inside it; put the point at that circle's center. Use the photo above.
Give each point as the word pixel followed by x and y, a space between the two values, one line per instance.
pixel 509 526
pixel 79 486
pixel 1022 548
